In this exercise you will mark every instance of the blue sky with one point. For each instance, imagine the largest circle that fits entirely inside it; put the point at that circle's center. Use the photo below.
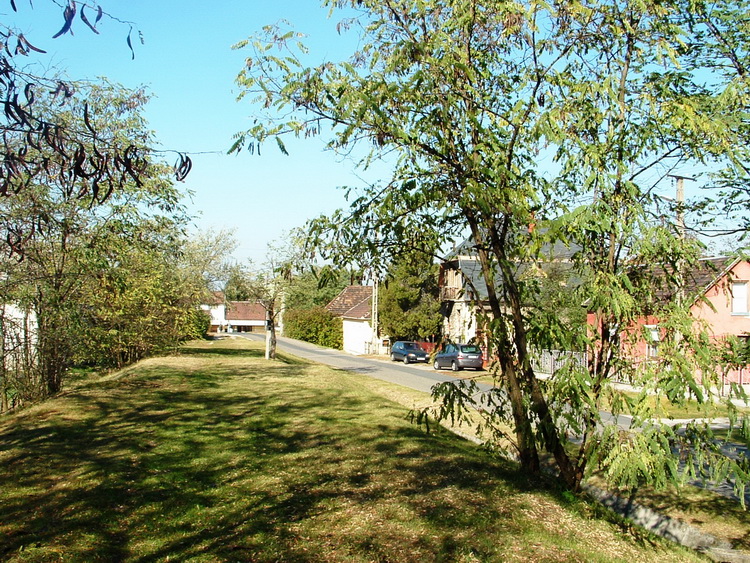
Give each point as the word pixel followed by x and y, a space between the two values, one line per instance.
pixel 188 65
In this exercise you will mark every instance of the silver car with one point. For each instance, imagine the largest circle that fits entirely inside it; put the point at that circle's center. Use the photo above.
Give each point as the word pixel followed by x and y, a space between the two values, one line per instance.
pixel 458 357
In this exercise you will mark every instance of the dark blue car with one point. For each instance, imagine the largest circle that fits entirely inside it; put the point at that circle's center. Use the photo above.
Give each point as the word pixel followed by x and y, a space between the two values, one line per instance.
pixel 407 352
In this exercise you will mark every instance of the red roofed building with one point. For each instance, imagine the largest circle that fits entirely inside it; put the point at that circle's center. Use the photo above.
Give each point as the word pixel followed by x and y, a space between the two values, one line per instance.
pixel 235 316
pixel 245 316
pixel 354 306
pixel 718 291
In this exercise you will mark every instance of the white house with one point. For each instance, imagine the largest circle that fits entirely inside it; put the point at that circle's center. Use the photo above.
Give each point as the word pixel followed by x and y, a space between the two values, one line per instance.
pixel 217 310
pixel 354 306
pixel 235 316
pixel 18 336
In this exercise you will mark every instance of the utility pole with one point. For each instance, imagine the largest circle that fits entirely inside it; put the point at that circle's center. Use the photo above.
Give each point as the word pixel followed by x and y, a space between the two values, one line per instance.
pixel 680 212
pixel 374 316
pixel 680 201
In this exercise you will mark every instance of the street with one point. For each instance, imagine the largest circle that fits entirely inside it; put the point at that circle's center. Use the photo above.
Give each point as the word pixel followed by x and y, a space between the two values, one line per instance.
pixel 415 376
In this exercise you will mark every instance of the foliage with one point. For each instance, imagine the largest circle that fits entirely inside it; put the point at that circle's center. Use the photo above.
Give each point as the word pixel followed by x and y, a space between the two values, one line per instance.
pixel 47 130
pixel 95 277
pixel 313 288
pixel 205 255
pixel 139 307
pixel 236 287
pixel 316 325
pixel 469 96
pixel 409 300
pixel 288 281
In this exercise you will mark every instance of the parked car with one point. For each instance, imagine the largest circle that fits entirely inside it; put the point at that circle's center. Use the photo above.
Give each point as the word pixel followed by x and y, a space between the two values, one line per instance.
pixel 408 352
pixel 459 356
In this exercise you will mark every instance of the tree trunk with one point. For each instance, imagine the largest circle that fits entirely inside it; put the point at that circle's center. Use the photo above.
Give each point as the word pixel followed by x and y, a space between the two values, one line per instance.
pixel 525 442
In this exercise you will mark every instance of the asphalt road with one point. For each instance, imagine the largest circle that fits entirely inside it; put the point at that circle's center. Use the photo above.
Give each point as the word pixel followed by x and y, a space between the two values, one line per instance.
pixel 415 376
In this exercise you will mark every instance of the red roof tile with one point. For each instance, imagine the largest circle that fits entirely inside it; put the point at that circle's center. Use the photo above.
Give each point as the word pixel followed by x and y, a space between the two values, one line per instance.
pixel 245 311
pixel 352 302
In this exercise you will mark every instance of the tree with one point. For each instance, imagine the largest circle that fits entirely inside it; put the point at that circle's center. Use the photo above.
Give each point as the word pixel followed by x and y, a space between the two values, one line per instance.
pixel 39 141
pixel 79 249
pixel 206 256
pixel 409 298
pixel 316 325
pixel 471 96
pixel 236 287
pixel 314 287
pixel 268 285
pixel 139 301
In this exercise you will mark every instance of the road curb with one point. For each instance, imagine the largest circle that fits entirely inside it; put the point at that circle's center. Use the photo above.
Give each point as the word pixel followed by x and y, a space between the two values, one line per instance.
pixel 669 528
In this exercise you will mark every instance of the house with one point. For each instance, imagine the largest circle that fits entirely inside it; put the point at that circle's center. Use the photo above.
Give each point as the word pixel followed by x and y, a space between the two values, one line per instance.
pixel 718 290
pixel 234 316
pixel 216 309
pixel 18 336
pixel 245 316
pixel 354 306
pixel 463 290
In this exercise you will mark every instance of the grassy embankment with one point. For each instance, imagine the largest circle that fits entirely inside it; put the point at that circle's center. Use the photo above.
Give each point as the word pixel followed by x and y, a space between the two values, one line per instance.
pixel 219 455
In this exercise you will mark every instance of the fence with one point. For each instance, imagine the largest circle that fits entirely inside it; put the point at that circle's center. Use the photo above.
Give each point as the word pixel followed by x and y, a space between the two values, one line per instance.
pixel 549 361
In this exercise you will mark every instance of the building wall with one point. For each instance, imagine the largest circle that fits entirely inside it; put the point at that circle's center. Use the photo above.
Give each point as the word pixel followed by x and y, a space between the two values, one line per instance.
pixel 18 336
pixel 715 311
pixel 357 336
pixel 460 324
pixel 218 316
pixel 719 316
pixel 246 326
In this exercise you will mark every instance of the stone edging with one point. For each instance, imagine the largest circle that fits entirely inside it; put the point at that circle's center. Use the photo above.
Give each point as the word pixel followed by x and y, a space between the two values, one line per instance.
pixel 670 528
pixel 662 525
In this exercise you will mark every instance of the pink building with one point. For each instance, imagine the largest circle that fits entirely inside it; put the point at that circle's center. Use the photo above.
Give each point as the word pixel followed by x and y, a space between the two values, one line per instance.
pixel 719 293
pixel 724 309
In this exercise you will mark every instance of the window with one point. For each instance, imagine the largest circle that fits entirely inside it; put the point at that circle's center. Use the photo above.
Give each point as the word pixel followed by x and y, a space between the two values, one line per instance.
pixel 739 298
pixel 653 338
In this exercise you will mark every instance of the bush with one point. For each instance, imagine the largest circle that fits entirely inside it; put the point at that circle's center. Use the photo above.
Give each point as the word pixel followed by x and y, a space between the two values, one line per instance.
pixel 316 325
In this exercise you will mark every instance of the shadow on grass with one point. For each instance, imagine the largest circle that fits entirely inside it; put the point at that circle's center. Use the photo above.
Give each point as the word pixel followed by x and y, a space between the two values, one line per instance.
pixel 166 466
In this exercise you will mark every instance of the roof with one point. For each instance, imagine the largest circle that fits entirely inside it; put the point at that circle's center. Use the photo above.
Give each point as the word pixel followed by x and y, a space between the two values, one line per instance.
pixel 245 311
pixel 698 279
pixel 557 251
pixel 362 310
pixel 554 257
pixel 354 302
pixel 712 270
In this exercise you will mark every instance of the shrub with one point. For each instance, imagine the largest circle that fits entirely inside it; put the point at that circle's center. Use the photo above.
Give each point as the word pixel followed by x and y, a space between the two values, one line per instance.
pixel 316 325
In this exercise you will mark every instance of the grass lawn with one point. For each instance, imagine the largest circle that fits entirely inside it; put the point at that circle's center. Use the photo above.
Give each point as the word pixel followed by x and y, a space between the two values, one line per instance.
pixel 218 455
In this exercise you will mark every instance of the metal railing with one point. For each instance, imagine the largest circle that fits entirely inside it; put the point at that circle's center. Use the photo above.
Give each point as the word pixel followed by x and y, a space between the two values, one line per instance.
pixel 549 361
